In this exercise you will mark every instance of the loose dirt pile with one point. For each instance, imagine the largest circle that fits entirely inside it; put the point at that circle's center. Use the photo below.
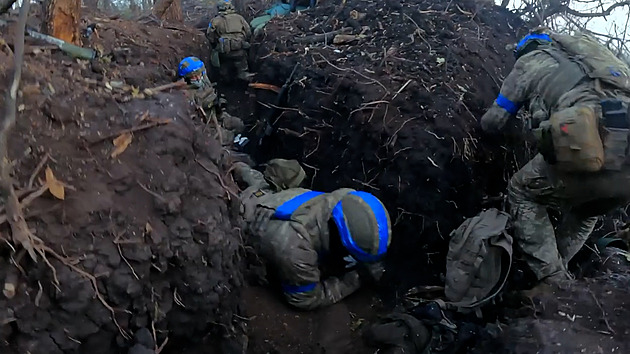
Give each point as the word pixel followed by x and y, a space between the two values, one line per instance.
pixel 152 225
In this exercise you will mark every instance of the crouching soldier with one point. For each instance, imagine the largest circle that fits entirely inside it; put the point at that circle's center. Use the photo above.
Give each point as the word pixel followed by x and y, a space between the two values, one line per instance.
pixel 300 231
pixel 193 70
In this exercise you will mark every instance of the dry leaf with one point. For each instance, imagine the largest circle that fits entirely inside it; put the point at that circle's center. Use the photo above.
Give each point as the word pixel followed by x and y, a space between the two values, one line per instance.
pixel 9 290
pixel 148 228
pixel 121 144
pixel 54 185
pixel 135 91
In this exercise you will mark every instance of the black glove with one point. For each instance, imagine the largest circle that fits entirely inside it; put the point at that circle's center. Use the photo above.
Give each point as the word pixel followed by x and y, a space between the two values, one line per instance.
pixel 371 273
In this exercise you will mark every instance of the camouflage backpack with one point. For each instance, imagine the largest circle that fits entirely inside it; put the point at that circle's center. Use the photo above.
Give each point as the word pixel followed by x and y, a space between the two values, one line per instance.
pixel 478 260
pixel 584 138
pixel 599 61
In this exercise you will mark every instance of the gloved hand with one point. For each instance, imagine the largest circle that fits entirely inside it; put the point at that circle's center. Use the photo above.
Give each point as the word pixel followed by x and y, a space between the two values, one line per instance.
pixel 261 219
pixel 494 119
pixel 371 273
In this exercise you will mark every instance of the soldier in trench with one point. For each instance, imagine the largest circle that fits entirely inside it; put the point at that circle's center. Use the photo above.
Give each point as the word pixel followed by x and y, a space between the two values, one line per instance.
pixel 228 34
pixel 193 70
pixel 300 232
pixel 579 113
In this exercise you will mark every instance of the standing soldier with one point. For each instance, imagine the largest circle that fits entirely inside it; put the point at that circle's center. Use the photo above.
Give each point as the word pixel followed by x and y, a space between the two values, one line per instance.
pixel 577 93
pixel 229 34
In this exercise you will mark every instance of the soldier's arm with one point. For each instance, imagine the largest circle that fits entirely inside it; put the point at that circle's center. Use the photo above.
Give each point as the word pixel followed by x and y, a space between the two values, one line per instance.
pixel 211 32
pixel 302 285
pixel 251 177
pixel 514 92
pixel 246 28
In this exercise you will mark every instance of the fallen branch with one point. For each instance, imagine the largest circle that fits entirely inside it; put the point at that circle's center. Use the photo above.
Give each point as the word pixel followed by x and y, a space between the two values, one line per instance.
pixel 356 72
pixel 36 171
pixel 260 85
pixel 159 197
pixel 323 37
pixel 176 84
pixel 132 130
pixel 133 271
pixel 70 49
pixel 603 312
pixel 401 89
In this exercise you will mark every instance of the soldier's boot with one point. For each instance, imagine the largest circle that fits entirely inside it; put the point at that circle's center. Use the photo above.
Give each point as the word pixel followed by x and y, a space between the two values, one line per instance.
pixel 548 286
pixel 571 235
pixel 242 68
pixel 232 123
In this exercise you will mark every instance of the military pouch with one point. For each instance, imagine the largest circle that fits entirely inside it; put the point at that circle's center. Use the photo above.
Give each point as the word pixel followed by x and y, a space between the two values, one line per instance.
pixel 577 144
pixel 214 59
pixel 545 142
pixel 235 44
pixel 223 47
pixel 616 133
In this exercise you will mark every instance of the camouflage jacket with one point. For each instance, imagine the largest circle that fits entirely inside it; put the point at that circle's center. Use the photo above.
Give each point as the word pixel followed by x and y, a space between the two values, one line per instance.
pixel 528 84
pixel 206 97
pixel 295 247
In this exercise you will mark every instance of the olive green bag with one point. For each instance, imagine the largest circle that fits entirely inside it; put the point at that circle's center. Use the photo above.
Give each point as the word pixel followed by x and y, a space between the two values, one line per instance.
pixel 479 259
pixel 577 145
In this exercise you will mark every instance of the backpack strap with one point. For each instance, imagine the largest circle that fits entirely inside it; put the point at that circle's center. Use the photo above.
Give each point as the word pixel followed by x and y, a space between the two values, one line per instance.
pixel 570 73
pixel 286 209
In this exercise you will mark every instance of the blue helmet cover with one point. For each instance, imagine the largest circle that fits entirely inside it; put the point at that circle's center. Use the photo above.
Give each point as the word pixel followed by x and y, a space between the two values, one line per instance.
pixel 532 36
pixel 189 65
pixel 383 228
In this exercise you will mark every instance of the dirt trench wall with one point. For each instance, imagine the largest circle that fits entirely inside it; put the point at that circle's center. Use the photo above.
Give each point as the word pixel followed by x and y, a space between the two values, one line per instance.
pixel 152 225
pixel 395 113
pixel 166 258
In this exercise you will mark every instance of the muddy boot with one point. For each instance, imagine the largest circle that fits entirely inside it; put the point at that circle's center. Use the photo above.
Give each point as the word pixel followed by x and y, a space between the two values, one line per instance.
pixel 549 285
pixel 232 123
pixel 242 69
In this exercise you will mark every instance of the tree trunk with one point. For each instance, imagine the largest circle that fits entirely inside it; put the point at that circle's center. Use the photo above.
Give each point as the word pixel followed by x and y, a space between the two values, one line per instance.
pixel 62 20
pixel 169 10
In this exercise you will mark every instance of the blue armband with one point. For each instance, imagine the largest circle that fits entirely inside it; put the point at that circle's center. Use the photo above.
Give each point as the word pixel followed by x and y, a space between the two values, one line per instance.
pixel 508 105
pixel 294 289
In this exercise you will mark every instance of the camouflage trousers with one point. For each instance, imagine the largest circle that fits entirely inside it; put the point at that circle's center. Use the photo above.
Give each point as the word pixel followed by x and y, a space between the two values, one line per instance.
pixel 532 190
pixel 238 60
